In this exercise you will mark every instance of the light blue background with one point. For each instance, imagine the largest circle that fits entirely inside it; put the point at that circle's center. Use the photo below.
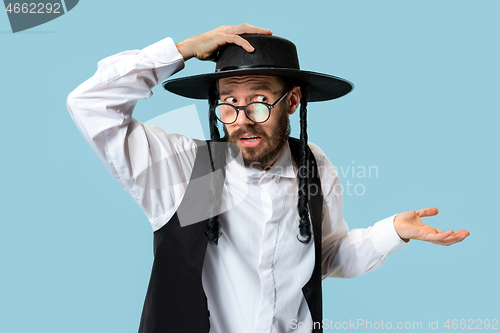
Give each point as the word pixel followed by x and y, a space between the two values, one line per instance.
pixel 76 251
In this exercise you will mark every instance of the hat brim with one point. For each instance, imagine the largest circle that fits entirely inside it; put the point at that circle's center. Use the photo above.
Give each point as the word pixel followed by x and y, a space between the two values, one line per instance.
pixel 320 87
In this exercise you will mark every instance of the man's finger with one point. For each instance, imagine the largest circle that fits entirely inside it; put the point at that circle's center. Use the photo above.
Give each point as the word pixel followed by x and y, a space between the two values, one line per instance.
pixel 241 42
pixel 454 238
pixel 431 237
pixel 430 211
pixel 250 29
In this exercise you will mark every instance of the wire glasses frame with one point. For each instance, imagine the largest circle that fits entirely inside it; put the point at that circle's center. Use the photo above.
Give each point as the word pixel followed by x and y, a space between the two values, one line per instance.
pixel 257 112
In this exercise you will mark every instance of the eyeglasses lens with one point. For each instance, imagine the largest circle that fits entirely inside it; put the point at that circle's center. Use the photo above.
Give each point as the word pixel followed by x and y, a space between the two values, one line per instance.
pixel 257 112
pixel 226 113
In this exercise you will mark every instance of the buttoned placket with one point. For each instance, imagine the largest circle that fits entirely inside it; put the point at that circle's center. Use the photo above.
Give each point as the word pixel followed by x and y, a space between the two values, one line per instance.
pixel 274 209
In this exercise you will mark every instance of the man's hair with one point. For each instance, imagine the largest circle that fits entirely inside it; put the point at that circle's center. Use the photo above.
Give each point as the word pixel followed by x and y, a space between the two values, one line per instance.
pixel 212 225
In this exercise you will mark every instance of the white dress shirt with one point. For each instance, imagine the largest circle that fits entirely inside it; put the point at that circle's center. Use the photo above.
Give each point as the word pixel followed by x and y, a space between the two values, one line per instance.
pixel 253 278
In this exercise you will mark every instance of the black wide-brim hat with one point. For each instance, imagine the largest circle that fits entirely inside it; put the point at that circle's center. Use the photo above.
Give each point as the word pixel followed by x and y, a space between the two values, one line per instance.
pixel 273 56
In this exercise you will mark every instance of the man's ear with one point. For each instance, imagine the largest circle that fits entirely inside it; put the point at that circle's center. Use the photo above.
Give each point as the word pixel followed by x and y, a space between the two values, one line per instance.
pixel 294 99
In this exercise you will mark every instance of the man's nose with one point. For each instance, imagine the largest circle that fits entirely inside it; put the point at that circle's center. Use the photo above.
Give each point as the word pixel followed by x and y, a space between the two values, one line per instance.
pixel 242 118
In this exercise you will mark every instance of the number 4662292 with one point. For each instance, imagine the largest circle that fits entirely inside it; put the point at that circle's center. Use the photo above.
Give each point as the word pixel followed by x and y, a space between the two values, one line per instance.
pixel 472 324
pixel 33 8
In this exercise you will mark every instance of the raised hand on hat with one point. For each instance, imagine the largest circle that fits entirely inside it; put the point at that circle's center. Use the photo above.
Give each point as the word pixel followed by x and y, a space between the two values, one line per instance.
pixel 205 45
pixel 409 225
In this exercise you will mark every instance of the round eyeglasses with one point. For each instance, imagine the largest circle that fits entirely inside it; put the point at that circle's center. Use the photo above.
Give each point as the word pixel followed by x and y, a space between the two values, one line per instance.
pixel 258 112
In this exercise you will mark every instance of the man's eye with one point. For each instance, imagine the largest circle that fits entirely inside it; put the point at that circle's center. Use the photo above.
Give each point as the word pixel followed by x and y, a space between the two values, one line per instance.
pixel 260 99
pixel 230 100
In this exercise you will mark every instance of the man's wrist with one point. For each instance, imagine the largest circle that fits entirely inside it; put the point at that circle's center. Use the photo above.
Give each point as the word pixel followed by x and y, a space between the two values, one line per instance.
pixel 184 50
pixel 406 240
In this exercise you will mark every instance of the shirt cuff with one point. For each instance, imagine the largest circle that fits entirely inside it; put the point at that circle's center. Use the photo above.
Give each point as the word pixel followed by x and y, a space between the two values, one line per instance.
pixel 385 238
pixel 166 58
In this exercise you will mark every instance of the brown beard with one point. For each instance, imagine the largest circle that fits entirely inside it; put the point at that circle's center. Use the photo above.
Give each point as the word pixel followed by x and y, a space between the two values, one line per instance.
pixel 270 147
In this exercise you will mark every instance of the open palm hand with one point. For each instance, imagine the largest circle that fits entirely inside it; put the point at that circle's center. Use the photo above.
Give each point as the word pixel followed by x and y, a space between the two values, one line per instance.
pixel 409 225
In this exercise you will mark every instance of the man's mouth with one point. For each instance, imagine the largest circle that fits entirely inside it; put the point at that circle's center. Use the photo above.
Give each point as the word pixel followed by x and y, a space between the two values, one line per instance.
pixel 250 140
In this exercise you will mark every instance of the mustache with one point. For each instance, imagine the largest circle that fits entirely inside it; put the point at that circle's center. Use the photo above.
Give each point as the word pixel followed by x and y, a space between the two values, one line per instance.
pixel 247 129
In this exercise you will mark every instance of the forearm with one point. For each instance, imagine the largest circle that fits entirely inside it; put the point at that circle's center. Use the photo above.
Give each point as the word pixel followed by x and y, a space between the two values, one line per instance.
pixel 355 252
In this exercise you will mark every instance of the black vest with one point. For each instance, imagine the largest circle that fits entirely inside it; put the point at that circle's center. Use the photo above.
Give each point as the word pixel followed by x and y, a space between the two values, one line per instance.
pixel 175 299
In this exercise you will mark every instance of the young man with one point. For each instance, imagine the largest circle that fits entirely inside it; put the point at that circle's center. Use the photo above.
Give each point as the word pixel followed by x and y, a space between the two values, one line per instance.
pixel 256 264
